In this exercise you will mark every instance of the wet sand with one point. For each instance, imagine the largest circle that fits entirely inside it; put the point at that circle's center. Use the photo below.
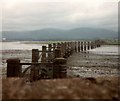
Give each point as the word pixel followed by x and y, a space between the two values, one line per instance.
pixel 79 64
pixel 92 65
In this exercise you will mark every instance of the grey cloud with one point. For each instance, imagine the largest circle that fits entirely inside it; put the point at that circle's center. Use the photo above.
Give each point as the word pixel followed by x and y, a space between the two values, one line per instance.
pixel 30 16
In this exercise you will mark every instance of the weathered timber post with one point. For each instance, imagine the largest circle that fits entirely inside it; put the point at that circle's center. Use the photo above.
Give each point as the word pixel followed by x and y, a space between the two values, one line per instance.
pixel 62 49
pixel 59 46
pixel 81 46
pixel 54 47
pixel 34 73
pixel 71 48
pixel 84 46
pixel 14 68
pixel 64 45
pixel 67 50
pixel 57 53
pixel 59 71
pixel 97 43
pixel 35 55
pixel 75 46
pixel 88 45
pixel 78 46
pixel 92 45
pixel 49 53
pixel 43 59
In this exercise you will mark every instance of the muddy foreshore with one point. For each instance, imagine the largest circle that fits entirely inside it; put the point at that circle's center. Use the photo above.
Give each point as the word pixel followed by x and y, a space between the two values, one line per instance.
pixel 78 65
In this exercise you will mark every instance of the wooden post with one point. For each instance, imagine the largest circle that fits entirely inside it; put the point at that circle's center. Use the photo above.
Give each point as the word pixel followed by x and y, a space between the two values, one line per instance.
pixel 71 48
pixel 75 46
pixel 81 46
pixel 62 49
pixel 34 73
pixel 84 46
pixel 59 71
pixel 43 59
pixel 65 45
pixel 35 55
pixel 57 53
pixel 58 45
pixel 14 68
pixel 88 45
pixel 78 46
pixel 49 53
pixel 54 47
pixel 92 45
pixel 68 49
pixel 95 44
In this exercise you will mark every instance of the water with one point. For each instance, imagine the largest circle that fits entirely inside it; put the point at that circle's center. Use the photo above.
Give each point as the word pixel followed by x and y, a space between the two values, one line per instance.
pixel 106 49
pixel 17 50
pixel 19 46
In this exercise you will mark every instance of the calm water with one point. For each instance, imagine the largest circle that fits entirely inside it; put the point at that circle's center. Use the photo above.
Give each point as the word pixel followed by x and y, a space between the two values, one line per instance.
pixel 19 46
pixel 106 49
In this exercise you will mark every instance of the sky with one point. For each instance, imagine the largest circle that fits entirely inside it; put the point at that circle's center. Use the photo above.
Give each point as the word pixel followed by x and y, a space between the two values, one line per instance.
pixel 22 15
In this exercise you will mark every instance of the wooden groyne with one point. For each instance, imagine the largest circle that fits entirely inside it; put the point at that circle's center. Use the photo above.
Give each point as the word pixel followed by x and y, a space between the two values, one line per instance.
pixel 50 62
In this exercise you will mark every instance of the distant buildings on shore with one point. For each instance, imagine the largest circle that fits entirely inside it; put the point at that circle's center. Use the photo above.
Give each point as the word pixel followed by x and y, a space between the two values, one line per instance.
pixel 3 39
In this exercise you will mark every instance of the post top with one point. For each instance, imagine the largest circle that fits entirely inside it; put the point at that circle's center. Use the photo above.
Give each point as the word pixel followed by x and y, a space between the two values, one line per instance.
pixel 13 60
pixel 60 61
pixel 34 49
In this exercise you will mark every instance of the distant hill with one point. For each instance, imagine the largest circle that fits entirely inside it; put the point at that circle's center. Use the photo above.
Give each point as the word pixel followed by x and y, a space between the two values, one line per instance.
pixel 60 34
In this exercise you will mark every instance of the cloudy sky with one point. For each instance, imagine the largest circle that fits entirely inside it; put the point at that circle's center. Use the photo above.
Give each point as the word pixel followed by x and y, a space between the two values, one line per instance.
pixel 24 15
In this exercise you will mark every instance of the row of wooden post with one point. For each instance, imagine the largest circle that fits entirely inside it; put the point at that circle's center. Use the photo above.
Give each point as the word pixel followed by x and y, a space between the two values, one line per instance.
pixel 66 48
pixel 55 53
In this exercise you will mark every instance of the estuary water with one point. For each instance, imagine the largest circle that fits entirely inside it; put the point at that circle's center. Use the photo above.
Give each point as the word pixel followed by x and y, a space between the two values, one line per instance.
pixel 19 46
pixel 107 50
